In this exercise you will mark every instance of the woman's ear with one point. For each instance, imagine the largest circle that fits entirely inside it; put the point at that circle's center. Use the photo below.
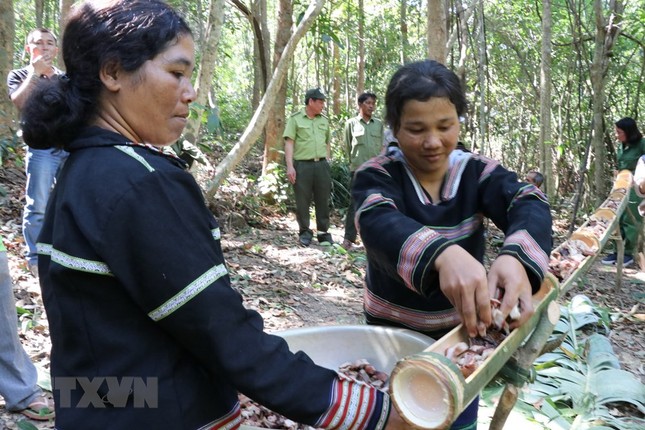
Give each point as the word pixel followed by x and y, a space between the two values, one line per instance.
pixel 109 74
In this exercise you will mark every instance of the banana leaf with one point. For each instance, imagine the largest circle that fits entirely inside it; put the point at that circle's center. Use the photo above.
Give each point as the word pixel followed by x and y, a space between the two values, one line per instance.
pixel 583 384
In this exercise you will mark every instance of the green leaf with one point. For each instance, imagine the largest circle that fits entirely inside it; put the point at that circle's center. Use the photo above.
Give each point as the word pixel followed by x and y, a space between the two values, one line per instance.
pixel 582 378
pixel 26 425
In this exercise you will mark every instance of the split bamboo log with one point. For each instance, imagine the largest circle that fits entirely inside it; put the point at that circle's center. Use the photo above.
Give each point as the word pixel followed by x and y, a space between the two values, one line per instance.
pixel 429 391
pixel 524 358
pixel 597 230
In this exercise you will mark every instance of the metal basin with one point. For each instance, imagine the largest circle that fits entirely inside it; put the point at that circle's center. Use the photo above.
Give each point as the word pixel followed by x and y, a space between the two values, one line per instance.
pixel 331 346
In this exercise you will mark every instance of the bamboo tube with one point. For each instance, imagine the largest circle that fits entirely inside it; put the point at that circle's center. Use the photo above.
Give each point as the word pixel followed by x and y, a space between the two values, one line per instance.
pixel 587 238
pixel 429 391
pixel 623 180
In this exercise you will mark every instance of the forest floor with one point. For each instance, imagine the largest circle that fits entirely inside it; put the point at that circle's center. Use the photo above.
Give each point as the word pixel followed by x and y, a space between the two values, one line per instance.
pixel 292 286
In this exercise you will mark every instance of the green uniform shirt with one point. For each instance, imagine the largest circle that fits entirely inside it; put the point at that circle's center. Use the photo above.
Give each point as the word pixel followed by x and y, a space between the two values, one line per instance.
pixel 628 155
pixel 310 136
pixel 2 248
pixel 363 140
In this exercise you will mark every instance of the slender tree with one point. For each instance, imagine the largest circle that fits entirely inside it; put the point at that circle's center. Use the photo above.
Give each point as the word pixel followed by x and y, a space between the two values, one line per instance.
pixel 65 6
pixel 7 34
pixel 482 77
pixel 203 82
pixel 360 67
pixel 254 129
pixel 337 80
pixel 607 30
pixel 39 5
pixel 545 100
pixel 403 26
pixel 273 143
pixel 436 30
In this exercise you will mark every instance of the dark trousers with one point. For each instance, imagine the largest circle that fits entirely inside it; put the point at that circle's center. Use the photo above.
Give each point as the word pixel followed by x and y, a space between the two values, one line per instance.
pixel 313 180
pixel 630 224
pixel 350 226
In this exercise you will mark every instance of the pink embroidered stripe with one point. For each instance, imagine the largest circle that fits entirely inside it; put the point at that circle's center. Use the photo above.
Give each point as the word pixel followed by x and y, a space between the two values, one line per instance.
pixel 529 247
pixel 418 320
pixel 376 163
pixel 490 166
pixel 411 253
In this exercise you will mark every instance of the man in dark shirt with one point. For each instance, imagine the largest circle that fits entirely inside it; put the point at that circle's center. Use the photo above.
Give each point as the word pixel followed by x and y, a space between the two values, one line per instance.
pixel 41 164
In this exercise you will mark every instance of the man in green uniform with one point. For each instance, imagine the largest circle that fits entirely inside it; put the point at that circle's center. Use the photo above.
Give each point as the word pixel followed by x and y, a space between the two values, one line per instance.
pixel 307 150
pixel 363 140
pixel 631 146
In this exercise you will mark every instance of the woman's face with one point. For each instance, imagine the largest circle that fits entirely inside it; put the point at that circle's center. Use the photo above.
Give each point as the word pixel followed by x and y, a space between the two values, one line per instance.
pixel 150 105
pixel 428 133
pixel 621 136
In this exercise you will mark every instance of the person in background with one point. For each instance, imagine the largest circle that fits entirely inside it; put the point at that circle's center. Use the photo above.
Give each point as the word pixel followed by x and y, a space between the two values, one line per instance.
pixel 639 183
pixel 134 280
pixel 41 164
pixel 363 140
pixel 307 151
pixel 534 177
pixel 420 210
pixel 630 149
pixel 18 375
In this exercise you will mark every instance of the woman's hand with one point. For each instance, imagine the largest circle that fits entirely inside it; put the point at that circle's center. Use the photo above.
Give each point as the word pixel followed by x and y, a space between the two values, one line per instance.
pixel 509 275
pixel 463 282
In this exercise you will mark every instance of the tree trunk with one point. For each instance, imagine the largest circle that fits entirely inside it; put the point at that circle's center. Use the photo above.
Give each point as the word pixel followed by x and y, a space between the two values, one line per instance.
pixel 262 59
pixel 273 142
pixel 403 25
pixel 436 30
pixel 40 11
pixel 336 78
pixel 204 78
pixel 482 77
pixel 606 32
pixel 65 6
pixel 258 82
pixel 7 34
pixel 261 114
pixel 463 16
pixel 546 140
pixel 360 84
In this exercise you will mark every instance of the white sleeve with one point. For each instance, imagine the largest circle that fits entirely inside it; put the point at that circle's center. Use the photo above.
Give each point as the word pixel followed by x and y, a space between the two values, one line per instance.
pixel 639 176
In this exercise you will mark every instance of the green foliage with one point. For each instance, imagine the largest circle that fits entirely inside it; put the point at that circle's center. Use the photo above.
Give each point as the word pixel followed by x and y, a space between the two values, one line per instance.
pixel 578 384
pixel 273 187
pixel 340 178
pixel 9 149
pixel 28 319
pixel 513 35
pixel 26 425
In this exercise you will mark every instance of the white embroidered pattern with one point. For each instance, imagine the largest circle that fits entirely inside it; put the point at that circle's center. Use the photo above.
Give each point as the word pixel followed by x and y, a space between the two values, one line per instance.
pixel 130 151
pixel 74 263
pixel 185 295
pixel 217 234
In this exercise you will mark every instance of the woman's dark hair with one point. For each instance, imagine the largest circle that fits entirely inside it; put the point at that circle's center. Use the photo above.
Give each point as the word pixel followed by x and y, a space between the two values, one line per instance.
pixel 121 33
pixel 632 134
pixel 421 81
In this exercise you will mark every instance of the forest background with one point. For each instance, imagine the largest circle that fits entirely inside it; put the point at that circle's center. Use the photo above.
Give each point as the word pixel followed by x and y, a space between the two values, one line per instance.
pixel 545 80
